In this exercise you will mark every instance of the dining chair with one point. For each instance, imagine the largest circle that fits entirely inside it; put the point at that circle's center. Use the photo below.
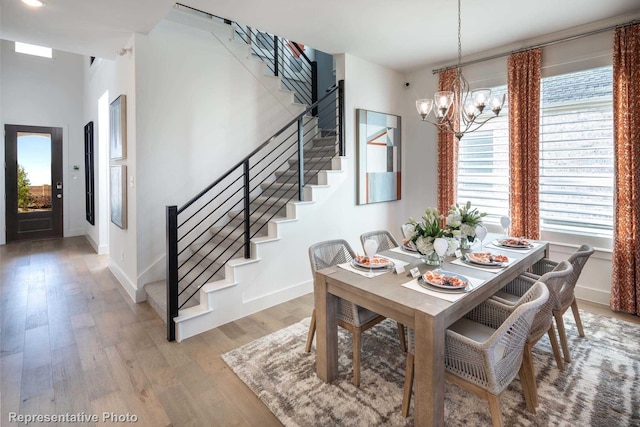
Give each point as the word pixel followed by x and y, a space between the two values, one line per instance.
pixel 567 296
pixel 386 241
pixel 403 228
pixel 351 317
pixel 509 296
pixel 383 238
pixel 483 350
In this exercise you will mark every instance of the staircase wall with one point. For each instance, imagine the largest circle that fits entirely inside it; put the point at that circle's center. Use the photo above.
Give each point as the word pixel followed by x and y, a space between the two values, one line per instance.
pixel 199 111
pixel 281 269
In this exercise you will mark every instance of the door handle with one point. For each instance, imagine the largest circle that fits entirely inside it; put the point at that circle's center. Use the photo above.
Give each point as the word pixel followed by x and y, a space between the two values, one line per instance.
pixel 59 196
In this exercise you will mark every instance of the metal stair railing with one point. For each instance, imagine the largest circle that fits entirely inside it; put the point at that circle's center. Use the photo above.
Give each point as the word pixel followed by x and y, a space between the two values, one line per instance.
pixel 284 58
pixel 217 225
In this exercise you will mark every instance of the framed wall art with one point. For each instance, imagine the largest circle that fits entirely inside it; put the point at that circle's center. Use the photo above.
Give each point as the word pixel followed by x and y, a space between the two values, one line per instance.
pixel 118 128
pixel 378 152
pixel 118 190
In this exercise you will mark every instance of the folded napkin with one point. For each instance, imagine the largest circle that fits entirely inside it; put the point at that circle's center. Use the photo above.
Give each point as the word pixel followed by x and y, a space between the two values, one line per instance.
pixel 494 270
pixel 402 251
pixel 375 271
pixel 447 296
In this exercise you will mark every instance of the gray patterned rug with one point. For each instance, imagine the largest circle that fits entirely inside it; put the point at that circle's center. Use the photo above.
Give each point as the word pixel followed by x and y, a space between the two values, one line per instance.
pixel 601 387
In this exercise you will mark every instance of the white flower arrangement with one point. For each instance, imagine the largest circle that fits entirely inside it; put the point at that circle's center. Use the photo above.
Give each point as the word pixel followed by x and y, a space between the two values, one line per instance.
pixel 462 221
pixel 422 234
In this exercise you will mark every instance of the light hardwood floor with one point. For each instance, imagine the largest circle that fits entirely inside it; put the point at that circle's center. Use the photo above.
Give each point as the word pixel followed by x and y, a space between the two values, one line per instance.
pixel 73 342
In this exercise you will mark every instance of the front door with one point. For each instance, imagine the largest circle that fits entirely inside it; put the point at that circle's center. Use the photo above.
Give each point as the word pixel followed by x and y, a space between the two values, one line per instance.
pixel 33 182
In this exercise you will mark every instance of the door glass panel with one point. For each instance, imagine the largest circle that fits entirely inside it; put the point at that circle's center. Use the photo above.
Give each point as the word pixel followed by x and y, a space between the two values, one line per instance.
pixel 34 172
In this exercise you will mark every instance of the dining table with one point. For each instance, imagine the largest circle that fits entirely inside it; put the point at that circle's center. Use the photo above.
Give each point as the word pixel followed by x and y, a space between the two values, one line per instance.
pixel 396 294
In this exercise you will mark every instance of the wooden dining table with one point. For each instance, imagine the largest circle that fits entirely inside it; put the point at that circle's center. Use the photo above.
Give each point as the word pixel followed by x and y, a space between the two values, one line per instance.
pixel 429 315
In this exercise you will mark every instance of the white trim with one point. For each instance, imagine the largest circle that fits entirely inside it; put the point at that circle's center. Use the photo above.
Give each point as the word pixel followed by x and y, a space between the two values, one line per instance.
pixel 136 295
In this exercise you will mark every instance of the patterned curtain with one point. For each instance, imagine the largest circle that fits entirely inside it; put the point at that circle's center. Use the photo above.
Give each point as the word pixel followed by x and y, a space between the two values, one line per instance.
pixel 448 148
pixel 523 82
pixel 625 277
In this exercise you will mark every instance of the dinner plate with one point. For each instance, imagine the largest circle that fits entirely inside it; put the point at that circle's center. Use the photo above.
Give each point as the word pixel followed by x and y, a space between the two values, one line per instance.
pixel 423 283
pixel 513 243
pixel 382 265
pixel 468 258
pixel 409 248
pixel 445 285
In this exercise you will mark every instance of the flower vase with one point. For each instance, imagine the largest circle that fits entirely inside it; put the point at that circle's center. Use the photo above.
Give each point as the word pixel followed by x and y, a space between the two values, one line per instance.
pixel 431 258
pixel 465 244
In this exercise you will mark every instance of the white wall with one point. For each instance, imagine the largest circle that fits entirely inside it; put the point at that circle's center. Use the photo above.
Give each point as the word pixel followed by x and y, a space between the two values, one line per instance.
pixel 370 87
pixel 118 78
pixel 199 112
pixel 47 92
pixel 584 53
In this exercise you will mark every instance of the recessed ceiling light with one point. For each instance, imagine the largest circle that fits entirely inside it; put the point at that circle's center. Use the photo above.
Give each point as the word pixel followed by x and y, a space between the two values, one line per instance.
pixel 33 3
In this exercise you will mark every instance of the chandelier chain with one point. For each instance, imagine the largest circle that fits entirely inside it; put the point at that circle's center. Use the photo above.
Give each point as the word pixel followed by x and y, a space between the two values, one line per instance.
pixel 459 35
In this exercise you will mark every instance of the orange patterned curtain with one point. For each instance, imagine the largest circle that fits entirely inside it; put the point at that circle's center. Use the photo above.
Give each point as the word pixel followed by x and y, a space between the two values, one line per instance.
pixel 448 148
pixel 523 82
pixel 625 277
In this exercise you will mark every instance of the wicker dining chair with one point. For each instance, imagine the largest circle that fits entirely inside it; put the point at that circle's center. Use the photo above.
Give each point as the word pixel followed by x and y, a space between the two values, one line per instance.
pixel 484 349
pixel 385 242
pixel 383 238
pixel 509 296
pixel 351 317
pixel 567 296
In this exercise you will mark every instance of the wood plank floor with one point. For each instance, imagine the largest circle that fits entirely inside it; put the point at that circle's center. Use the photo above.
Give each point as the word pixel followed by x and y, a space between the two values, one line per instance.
pixel 73 342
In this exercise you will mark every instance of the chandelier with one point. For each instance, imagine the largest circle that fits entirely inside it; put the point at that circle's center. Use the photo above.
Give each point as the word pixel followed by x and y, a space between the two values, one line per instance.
pixel 466 104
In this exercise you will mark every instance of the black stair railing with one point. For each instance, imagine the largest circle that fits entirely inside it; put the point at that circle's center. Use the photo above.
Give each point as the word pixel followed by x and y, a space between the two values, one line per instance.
pixel 284 58
pixel 217 225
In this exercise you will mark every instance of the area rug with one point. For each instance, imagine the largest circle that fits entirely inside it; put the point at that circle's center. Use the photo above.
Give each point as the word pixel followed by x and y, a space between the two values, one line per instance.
pixel 600 387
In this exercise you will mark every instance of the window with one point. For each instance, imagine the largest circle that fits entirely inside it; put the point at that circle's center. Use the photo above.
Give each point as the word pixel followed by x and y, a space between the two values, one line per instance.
pixel 483 166
pixel 576 157
pixel 576 153
pixel 32 49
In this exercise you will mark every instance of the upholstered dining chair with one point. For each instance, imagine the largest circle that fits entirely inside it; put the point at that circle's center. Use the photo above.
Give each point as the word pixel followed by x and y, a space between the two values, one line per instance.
pixel 509 296
pixel 350 316
pixel 385 242
pixel 483 350
pixel 567 294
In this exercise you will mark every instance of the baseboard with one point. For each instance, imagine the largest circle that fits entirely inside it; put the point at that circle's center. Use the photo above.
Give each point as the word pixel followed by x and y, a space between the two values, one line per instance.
pixel 137 295
pixel 597 296
pixel 198 321
pixel 100 250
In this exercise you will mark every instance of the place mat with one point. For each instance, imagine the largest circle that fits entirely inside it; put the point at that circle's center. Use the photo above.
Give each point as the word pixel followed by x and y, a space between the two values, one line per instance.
pixel 399 264
pixel 376 272
pixel 494 270
pixel 447 296
pixel 403 252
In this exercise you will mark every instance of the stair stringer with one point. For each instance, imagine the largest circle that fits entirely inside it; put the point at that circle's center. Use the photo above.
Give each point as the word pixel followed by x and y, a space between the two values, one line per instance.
pixel 268 278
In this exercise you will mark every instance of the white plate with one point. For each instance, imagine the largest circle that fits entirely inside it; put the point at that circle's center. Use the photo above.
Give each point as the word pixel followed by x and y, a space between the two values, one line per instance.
pixel 499 242
pixel 469 260
pixel 448 287
pixel 387 264
pixel 409 248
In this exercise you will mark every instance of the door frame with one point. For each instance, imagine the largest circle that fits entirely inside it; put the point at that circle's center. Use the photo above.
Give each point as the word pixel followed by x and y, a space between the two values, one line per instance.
pixel 12 232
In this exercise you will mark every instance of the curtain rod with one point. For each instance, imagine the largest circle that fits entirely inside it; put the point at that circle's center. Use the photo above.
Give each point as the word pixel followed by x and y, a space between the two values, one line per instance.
pixel 565 39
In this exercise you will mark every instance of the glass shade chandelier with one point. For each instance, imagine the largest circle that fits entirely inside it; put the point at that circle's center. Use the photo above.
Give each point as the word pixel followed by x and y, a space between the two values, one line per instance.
pixel 466 104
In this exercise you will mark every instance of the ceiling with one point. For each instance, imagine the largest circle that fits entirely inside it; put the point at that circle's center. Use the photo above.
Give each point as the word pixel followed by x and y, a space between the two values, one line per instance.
pixel 399 34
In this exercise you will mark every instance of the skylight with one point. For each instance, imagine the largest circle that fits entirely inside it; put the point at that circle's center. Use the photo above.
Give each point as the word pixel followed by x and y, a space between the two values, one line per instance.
pixel 32 49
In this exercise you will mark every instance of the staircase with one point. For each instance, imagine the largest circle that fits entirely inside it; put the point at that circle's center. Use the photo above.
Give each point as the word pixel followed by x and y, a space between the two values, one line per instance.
pixel 270 206
pixel 216 241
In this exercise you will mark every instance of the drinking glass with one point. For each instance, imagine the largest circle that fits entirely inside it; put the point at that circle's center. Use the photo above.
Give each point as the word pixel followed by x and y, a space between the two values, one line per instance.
pixel 370 248
pixel 505 222
pixel 440 245
pixel 481 234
